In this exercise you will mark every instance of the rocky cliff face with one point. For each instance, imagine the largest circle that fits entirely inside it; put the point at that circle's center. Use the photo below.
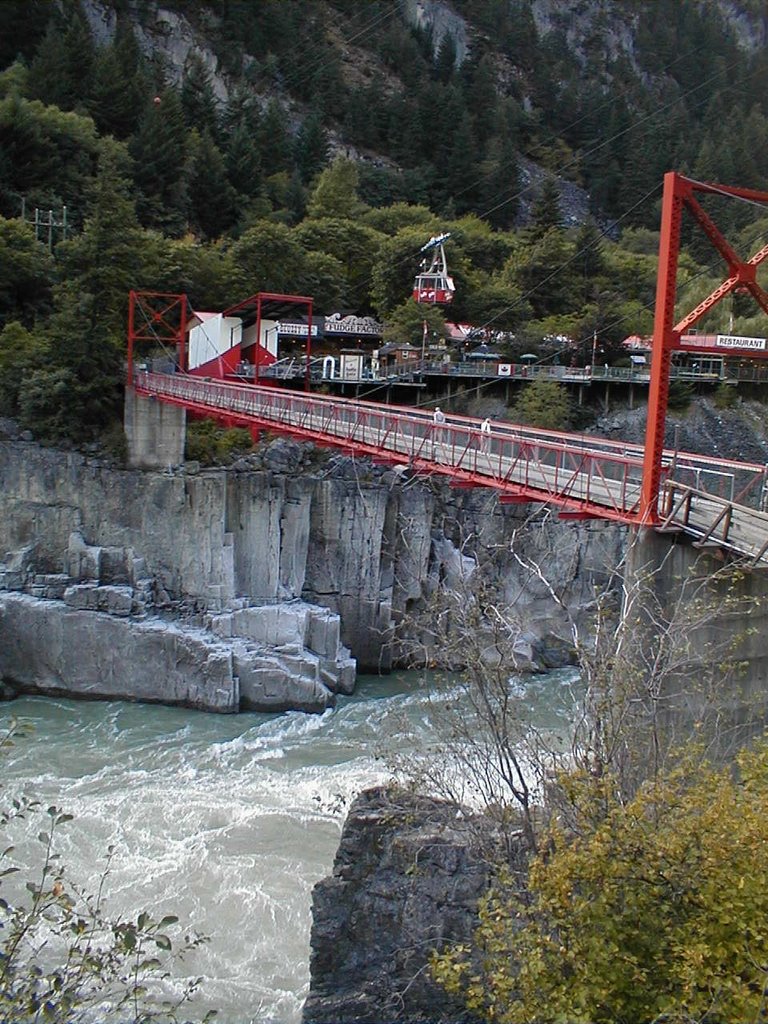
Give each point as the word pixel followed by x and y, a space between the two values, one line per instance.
pixel 288 525
pixel 406 880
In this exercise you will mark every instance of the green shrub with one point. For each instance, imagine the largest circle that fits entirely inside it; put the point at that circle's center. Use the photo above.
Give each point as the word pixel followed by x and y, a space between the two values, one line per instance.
pixel 725 396
pixel 545 404
pixel 212 445
pixel 680 395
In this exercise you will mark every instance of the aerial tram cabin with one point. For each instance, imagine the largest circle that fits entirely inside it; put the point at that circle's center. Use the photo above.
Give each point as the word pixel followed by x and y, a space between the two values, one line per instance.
pixel 433 284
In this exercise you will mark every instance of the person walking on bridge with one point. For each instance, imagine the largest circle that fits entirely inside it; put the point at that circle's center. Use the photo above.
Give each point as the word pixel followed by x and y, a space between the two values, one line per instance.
pixel 438 419
pixel 485 435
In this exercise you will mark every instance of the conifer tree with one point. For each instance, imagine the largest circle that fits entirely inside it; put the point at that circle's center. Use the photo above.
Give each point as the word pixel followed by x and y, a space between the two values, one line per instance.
pixel 26 272
pixel 311 147
pixel 500 184
pixel 461 166
pixel 198 100
pixel 105 260
pixel 60 73
pixel 22 24
pixel 588 243
pixel 77 394
pixel 119 88
pixel 243 160
pixel 545 211
pixel 212 201
pixel 482 99
pixel 159 153
pixel 445 58
pixel 295 199
pixel 273 139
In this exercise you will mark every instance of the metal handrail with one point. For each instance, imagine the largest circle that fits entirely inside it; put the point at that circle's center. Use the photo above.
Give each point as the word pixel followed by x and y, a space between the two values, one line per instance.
pixel 577 472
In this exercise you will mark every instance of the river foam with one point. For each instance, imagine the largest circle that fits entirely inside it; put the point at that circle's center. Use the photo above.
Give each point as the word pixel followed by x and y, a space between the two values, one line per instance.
pixel 227 821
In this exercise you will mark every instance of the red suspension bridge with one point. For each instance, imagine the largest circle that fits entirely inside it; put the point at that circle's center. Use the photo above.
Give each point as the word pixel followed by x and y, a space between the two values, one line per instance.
pixel 718 503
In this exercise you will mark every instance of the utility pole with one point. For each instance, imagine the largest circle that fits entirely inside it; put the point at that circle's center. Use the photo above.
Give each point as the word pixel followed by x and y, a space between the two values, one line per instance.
pixel 46 223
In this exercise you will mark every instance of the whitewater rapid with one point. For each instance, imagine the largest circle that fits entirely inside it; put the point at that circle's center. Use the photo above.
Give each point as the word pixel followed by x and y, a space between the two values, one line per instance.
pixel 227 821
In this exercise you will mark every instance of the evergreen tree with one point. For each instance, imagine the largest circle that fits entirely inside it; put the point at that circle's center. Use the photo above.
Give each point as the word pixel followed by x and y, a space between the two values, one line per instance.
pixel 310 148
pixel 78 393
pixel 105 260
pixel 481 93
pixel 545 211
pixel 328 93
pixel 212 200
pixel 460 171
pixel 159 153
pixel 404 130
pixel 198 100
pixel 46 155
pixel 241 110
pixel 546 274
pixel 445 58
pixel 119 88
pixel 499 199
pixel 243 160
pixel 26 272
pixel 295 199
pixel 22 23
pixel 588 244
pixel 60 73
pixel 273 140
pixel 358 123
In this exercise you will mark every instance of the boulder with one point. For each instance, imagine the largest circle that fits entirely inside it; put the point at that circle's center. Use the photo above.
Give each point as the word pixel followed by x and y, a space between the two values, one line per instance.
pixel 407 878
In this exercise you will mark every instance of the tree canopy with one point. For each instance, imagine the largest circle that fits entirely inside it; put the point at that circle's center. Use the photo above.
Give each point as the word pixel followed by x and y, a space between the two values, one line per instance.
pixel 657 913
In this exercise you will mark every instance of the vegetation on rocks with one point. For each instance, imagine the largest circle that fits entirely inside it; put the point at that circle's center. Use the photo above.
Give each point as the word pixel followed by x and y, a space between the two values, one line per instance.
pixel 656 910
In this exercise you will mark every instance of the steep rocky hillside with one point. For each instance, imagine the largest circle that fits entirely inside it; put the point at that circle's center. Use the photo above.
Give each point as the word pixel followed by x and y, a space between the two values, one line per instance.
pixel 578 88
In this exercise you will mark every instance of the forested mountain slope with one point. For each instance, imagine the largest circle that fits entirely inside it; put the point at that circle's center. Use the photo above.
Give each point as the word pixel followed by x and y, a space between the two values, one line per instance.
pixel 312 146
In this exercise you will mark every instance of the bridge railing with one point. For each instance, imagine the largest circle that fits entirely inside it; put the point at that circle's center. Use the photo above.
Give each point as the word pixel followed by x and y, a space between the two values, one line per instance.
pixel 545 466
pixel 569 469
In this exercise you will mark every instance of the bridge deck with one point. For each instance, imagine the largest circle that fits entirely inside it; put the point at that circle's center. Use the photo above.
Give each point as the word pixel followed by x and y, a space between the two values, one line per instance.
pixel 718 502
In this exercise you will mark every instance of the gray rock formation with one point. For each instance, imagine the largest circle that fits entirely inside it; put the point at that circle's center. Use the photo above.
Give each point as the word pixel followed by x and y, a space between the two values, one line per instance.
pixel 368 545
pixel 407 878
pixel 91 644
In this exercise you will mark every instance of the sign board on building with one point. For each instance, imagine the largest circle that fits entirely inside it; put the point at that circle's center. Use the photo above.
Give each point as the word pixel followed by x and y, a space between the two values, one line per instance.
pixel 733 341
pixel 296 330
pixel 504 370
pixel 352 366
pixel 722 342
pixel 352 326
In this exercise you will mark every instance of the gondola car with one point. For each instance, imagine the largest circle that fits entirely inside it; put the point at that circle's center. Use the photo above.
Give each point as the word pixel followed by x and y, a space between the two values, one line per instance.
pixel 433 284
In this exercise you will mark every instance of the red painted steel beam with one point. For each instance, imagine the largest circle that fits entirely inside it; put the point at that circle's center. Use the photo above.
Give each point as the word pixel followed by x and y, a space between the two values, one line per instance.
pixel 151 317
pixel 307 375
pixel 727 190
pixel 664 341
pixel 679 194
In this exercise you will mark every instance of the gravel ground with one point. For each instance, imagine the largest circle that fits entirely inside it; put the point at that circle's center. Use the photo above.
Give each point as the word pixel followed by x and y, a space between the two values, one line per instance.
pixel 740 432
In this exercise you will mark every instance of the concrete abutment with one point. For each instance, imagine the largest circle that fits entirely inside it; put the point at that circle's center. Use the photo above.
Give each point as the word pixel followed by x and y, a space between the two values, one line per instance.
pixel 155 431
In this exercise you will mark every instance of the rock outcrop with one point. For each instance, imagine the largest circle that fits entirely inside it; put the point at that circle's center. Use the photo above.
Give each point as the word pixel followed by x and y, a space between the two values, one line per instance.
pixel 407 878
pixel 286 528
pixel 103 629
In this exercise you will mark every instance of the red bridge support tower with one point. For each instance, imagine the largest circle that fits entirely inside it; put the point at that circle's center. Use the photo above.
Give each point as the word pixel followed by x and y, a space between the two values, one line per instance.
pixel 680 194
